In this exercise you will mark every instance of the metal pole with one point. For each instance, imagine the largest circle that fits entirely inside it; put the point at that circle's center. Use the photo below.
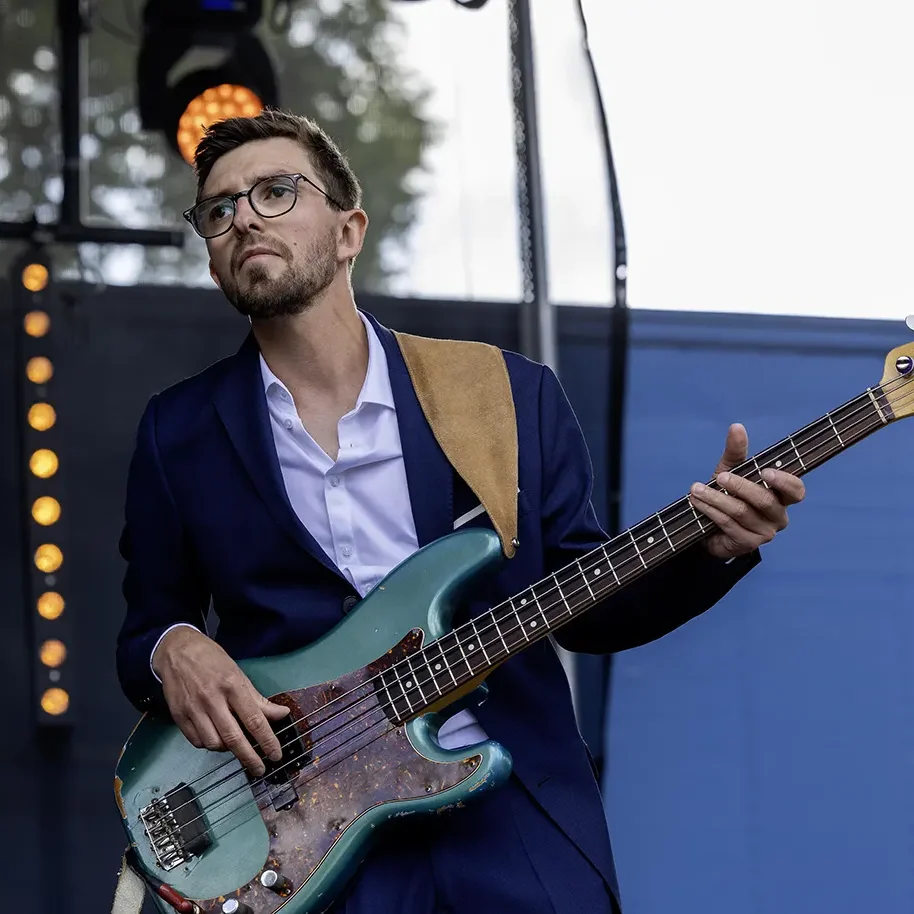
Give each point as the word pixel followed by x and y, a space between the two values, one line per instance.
pixel 72 84
pixel 538 336
pixel 537 318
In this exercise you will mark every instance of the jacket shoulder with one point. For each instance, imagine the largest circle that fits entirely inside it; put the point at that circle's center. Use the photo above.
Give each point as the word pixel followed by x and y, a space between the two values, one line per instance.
pixel 179 409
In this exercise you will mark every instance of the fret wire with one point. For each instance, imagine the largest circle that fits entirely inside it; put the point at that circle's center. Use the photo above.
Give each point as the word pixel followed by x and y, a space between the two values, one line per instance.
pixel 797 452
pixel 758 469
pixel 455 636
pixel 482 645
pixel 586 582
pixel 834 428
pixel 635 544
pixel 698 517
pixel 390 700
pixel 415 679
pixel 663 528
pixel 609 563
pixel 403 694
pixel 441 654
pixel 555 577
pixel 498 627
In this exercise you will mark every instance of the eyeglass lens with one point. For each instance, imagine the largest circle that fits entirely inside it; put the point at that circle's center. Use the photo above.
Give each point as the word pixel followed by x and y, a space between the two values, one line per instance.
pixel 270 197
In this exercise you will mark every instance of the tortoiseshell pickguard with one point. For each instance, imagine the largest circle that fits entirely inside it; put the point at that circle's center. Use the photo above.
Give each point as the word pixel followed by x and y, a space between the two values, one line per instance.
pixel 353 769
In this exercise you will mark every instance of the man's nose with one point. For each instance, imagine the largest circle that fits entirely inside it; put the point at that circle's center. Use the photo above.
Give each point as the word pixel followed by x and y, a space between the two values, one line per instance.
pixel 246 218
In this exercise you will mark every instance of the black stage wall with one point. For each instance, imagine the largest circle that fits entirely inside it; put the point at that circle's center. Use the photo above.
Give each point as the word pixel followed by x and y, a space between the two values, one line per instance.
pixel 60 839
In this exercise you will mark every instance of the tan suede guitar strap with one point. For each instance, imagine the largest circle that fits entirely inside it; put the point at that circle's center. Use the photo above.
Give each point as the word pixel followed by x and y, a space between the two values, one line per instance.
pixel 465 393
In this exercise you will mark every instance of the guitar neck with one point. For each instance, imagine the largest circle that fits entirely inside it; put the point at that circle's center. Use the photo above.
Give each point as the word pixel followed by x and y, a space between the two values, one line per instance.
pixel 470 651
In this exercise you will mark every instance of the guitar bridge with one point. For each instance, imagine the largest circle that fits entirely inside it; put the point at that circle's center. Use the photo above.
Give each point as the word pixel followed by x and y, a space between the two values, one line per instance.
pixel 175 828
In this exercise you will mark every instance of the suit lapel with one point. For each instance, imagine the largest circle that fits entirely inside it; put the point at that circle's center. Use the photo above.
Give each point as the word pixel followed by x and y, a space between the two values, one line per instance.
pixel 242 406
pixel 429 476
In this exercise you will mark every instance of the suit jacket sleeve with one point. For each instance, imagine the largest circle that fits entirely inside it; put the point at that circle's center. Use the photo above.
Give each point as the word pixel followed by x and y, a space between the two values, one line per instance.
pixel 161 585
pixel 650 607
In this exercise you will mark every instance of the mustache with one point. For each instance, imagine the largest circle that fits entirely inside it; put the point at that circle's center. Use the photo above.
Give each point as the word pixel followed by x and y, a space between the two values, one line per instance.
pixel 257 245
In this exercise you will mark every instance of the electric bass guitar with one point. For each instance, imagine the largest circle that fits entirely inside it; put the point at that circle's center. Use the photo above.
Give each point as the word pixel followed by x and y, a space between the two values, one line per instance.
pixel 359 747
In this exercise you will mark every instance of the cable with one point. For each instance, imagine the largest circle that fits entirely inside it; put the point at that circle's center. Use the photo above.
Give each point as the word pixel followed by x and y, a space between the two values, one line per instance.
pixel 617 372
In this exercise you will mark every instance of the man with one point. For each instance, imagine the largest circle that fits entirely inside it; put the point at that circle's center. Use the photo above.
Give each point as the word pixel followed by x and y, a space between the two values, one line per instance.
pixel 284 482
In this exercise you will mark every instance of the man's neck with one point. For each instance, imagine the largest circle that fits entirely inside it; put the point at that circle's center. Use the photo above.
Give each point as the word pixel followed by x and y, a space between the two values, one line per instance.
pixel 322 352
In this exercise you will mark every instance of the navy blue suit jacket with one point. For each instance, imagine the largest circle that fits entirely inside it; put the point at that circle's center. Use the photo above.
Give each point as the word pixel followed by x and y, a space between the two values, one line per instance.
pixel 208 520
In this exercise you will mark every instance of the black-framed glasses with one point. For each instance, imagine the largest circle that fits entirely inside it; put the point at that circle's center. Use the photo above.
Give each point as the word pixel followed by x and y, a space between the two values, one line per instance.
pixel 269 198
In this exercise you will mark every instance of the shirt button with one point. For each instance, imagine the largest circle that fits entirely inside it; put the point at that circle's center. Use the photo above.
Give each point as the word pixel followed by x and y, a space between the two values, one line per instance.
pixel 335 481
pixel 288 423
pixel 347 551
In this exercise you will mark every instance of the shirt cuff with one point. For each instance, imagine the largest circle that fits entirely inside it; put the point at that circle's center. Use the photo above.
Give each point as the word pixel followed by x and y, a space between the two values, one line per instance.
pixel 167 630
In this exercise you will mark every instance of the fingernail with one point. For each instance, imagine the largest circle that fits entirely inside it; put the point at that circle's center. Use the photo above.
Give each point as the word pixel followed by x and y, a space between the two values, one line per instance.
pixel 723 478
pixel 698 488
pixel 768 475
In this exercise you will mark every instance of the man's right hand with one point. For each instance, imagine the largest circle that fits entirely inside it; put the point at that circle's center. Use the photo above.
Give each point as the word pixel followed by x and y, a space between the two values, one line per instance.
pixel 208 695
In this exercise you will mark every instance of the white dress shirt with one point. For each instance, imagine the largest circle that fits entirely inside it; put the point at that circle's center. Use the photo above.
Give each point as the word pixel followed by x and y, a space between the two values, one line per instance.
pixel 356 507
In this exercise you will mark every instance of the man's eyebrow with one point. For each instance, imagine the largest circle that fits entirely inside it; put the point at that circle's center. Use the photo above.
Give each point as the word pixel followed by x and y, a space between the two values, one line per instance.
pixel 255 179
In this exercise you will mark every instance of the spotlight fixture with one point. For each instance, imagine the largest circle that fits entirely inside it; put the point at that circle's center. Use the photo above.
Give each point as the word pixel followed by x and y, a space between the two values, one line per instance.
pixel 46 556
pixel 181 97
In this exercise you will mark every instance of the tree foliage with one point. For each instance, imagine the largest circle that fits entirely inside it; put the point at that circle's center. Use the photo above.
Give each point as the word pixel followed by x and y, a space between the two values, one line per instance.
pixel 336 60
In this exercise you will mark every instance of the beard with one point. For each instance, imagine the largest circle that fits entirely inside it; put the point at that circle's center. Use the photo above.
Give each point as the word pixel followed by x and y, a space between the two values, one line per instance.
pixel 293 291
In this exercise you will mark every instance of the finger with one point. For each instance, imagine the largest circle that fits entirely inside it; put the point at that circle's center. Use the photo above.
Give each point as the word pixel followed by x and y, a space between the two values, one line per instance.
pixel 738 513
pixel 206 730
pixel 743 538
pixel 736 448
pixel 275 711
pixel 248 705
pixel 758 496
pixel 235 740
pixel 187 727
pixel 791 489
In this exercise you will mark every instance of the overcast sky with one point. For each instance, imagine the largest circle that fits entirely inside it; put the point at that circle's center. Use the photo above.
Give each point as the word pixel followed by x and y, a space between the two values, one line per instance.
pixel 764 153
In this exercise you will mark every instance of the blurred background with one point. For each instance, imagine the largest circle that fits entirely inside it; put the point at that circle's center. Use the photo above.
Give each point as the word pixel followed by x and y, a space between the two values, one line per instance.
pixel 739 251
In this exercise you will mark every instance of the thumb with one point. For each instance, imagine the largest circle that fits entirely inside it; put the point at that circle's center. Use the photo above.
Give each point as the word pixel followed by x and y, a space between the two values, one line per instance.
pixel 274 711
pixel 736 450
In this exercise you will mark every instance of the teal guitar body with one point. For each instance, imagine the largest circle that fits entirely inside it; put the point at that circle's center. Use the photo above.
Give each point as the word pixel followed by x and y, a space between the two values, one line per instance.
pixel 198 823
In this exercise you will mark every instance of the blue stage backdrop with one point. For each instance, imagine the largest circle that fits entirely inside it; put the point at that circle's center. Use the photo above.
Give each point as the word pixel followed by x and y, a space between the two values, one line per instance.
pixel 761 757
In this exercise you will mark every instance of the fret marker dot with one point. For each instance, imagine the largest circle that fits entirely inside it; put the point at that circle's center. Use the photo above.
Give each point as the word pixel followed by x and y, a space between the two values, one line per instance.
pixel 777 463
pixel 437 666
pixel 523 602
pixel 650 539
pixel 533 625
pixel 596 572
pixel 409 685
pixel 471 647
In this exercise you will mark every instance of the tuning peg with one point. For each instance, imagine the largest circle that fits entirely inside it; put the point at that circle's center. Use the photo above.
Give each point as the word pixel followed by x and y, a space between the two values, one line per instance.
pixel 909 320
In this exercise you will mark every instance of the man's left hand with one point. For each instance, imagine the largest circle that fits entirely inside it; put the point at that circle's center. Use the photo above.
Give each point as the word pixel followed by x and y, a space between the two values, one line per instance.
pixel 748 514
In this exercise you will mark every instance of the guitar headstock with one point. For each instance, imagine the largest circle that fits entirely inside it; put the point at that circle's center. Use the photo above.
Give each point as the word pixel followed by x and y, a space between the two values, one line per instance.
pixel 898 378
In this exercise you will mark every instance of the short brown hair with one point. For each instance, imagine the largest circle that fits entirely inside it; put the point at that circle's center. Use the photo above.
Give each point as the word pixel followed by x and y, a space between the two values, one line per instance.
pixel 329 162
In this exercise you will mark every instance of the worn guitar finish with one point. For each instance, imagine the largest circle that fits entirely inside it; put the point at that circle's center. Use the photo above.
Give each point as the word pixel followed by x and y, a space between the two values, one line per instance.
pixel 354 777
pixel 359 746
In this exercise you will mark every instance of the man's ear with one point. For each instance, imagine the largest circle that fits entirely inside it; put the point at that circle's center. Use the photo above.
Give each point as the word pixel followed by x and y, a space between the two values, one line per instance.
pixel 212 272
pixel 352 235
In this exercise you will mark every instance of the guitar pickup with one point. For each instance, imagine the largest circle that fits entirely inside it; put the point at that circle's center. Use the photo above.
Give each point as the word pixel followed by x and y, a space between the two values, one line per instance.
pixel 279 776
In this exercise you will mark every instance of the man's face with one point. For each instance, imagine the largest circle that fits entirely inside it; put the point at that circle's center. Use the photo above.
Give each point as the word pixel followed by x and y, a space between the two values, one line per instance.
pixel 299 252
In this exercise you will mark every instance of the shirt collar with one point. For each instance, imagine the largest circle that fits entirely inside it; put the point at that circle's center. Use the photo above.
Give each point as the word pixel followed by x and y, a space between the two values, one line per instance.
pixel 376 387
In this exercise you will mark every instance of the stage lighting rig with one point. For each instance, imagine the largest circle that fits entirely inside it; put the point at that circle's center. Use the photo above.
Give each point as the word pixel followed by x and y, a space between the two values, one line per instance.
pixel 180 96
